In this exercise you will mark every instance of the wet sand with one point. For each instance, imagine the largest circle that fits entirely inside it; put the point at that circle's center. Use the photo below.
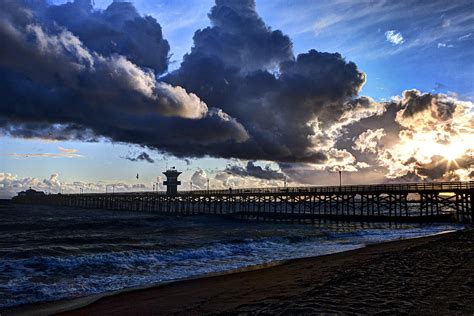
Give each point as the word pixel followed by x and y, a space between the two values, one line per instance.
pixel 430 275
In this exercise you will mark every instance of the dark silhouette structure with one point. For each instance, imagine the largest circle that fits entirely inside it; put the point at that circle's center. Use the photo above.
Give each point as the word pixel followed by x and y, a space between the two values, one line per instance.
pixel 404 202
pixel 30 193
pixel 172 181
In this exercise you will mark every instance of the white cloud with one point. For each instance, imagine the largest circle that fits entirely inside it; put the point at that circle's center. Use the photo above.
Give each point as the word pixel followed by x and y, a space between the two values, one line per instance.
pixel 67 150
pixel 369 140
pixel 444 45
pixel 446 23
pixel 394 37
pixel 224 180
pixel 326 22
pixel 362 165
pixel 465 37
pixel 11 184
pixel 199 179
pixel 62 153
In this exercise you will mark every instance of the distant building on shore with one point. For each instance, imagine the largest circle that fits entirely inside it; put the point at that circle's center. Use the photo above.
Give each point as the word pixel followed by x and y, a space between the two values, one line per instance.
pixel 172 181
pixel 28 196
pixel 30 192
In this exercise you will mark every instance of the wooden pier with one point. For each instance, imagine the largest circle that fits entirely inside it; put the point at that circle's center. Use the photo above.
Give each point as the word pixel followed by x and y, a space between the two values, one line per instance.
pixel 408 202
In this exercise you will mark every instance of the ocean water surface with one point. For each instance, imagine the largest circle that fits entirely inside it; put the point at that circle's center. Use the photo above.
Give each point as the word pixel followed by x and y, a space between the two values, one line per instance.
pixel 49 253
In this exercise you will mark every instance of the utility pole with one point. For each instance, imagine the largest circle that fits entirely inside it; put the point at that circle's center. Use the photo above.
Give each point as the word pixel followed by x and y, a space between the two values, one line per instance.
pixel 208 185
pixel 284 181
pixel 190 185
pixel 340 180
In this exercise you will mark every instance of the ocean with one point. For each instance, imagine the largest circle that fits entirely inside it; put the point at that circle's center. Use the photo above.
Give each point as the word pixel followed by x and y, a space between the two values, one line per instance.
pixel 51 253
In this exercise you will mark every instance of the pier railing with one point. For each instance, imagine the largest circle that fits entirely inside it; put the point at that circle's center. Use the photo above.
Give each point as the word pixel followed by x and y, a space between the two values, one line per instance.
pixel 395 187
pixel 369 188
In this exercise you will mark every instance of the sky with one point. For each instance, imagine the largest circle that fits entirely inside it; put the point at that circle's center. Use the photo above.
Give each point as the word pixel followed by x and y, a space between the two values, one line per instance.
pixel 244 93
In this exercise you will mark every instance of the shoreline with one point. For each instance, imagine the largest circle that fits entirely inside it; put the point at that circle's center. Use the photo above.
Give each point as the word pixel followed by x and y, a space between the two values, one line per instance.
pixel 88 304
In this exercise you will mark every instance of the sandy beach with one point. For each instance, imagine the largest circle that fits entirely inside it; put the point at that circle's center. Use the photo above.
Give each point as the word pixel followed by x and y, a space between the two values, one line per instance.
pixel 429 275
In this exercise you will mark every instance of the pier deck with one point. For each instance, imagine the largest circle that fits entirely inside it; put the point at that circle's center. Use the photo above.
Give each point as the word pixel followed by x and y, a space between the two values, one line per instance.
pixel 411 202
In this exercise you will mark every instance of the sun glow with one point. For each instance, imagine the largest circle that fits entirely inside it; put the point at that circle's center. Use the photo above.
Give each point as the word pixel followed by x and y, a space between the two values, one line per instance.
pixel 423 146
pixel 430 149
pixel 452 153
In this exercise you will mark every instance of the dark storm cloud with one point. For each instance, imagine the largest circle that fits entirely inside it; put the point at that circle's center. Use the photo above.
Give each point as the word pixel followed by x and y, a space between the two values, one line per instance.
pixel 240 39
pixel 77 68
pixel 118 29
pixel 143 156
pixel 48 130
pixel 50 82
pixel 415 102
pixel 252 170
pixel 242 66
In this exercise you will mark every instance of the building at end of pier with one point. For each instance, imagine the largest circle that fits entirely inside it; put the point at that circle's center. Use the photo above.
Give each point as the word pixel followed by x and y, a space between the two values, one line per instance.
pixel 172 181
